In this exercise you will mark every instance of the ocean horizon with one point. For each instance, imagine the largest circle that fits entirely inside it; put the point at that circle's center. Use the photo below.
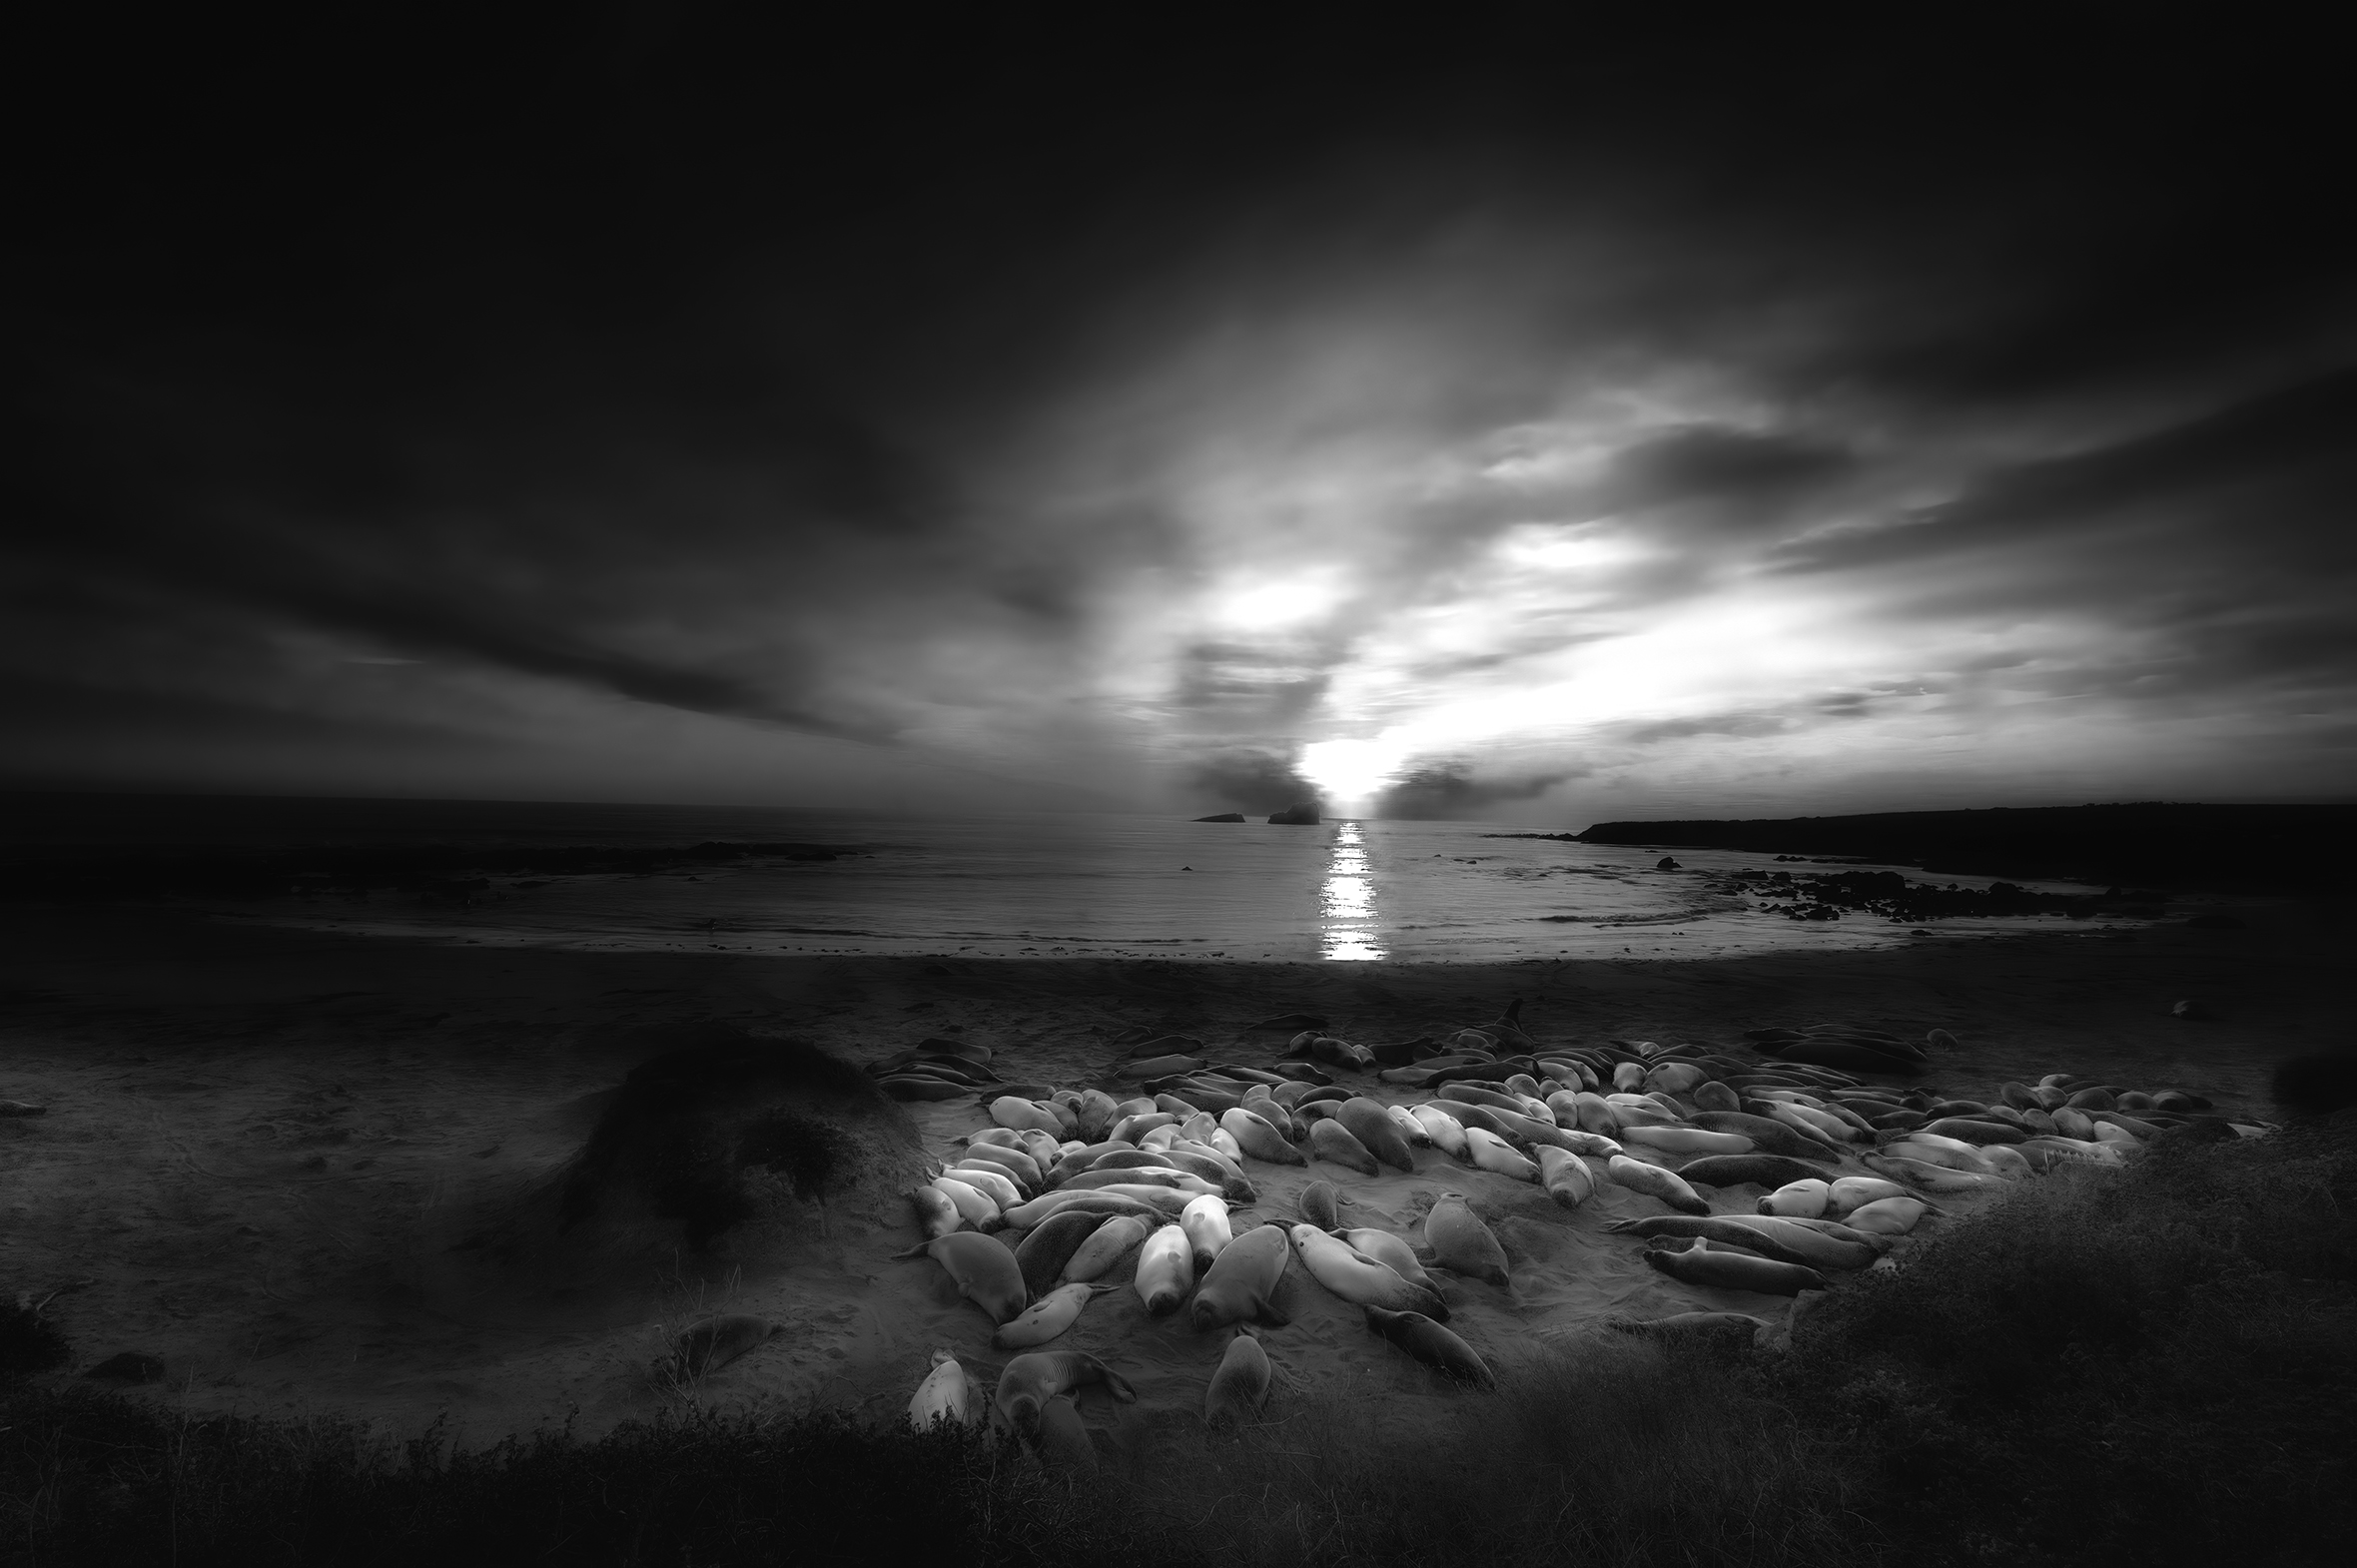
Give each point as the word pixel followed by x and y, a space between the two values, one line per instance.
pixel 991 885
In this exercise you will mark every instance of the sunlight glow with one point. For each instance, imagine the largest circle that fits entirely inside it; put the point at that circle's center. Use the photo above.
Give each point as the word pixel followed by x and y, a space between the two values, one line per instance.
pixel 1351 771
pixel 1346 902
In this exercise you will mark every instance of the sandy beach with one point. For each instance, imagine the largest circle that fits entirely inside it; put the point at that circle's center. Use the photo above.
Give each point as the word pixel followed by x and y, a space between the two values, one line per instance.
pixel 262 1145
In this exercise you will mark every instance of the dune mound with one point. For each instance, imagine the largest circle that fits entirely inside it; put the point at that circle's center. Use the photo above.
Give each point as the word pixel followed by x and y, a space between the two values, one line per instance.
pixel 758 1141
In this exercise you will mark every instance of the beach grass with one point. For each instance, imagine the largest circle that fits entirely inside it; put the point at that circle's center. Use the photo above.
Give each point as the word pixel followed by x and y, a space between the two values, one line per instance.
pixel 2154 1364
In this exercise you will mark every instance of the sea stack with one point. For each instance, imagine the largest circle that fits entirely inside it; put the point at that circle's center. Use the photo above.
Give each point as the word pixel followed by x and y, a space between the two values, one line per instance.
pixel 1301 816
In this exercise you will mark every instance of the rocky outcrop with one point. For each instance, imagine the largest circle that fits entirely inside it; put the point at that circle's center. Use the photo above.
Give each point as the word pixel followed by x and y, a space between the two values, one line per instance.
pixel 1225 816
pixel 1297 816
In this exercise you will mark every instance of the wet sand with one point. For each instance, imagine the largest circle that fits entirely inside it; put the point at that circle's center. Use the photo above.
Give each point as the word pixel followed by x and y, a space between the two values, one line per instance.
pixel 263 1145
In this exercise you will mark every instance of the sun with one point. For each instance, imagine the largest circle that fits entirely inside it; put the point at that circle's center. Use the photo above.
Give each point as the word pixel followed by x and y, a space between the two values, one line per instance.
pixel 1349 772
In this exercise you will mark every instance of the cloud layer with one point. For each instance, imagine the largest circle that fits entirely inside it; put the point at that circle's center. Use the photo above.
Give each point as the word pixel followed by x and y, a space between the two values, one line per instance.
pixel 1669 446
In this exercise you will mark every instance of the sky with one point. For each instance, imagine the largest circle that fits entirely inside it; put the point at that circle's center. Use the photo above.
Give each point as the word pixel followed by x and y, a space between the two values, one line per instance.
pixel 1541 426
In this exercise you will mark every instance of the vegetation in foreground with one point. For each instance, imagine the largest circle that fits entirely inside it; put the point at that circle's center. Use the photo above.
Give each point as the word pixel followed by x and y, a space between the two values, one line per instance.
pixel 2153 1365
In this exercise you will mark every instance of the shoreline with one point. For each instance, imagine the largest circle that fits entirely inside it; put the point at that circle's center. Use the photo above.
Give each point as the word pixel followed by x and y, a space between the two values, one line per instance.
pixel 257 1137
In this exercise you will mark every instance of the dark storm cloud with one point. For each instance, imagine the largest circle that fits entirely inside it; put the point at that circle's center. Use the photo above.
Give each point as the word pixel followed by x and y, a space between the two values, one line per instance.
pixel 948 396
pixel 1440 791
pixel 1253 780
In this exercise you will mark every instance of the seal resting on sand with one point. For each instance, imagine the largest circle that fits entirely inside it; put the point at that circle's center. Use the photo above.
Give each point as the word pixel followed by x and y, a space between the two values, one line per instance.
pixel 1462 1243
pixel 984 1268
pixel 1030 1381
pixel 1240 1387
pixel 1242 1282
pixel 716 1342
pixel 1433 1345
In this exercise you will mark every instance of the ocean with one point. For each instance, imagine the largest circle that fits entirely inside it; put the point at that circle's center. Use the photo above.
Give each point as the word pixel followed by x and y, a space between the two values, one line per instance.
pixel 996 886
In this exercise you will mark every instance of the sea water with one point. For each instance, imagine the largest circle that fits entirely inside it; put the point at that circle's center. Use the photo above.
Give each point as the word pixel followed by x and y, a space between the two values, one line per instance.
pixel 1044 885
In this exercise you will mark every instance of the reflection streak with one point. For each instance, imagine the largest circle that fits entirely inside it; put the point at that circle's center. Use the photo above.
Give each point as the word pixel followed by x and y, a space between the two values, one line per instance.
pixel 1347 901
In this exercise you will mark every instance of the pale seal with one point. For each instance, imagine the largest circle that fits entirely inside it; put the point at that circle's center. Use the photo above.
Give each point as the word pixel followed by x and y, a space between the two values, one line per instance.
pixel 973 1205
pixel 1165 1269
pixel 984 1268
pixel 936 1215
pixel 1688 1140
pixel 1360 1279
pixel 1785 1241
pixel 945 1395
pixel 1431 1344
pixel 1565 1177
pixel 716 1342
pixel 1806 1199
pixel 1462 1243
pixel 1654 1182
pixel 1256 1137
pixel 1698 1265
pixel 1446 1132
pixel 1492 1153
pixel 1047 1317
pixel 1115 1239
pixel 1888 1215
pixel 1207 1233
pixel 1241 1284
pixel 1240 1387
pixel 1331 1141
pixel 1391 1251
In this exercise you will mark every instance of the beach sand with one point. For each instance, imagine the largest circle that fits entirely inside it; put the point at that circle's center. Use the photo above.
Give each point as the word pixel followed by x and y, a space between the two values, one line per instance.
pixel 263 1145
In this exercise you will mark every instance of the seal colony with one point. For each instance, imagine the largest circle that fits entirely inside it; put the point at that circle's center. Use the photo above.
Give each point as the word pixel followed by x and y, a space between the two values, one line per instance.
pixel 1224 1190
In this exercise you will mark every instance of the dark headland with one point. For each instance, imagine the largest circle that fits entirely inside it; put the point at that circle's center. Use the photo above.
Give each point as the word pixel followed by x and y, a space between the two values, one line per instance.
pixel 2303 849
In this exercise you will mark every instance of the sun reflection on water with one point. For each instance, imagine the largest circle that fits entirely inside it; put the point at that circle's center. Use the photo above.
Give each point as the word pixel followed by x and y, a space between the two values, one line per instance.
pixel 1347 901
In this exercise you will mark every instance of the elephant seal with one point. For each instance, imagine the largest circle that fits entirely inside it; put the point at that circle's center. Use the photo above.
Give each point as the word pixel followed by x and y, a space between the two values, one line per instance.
pixel 716 1342
pixel 1734 1169
pixel 1462 1243
pixel 1431 1344
pixel 1240 1387
pixel 1850 1192
pixel 1654 1182
pixel 945 1395
pixel 1034 1379
pixel 1331 1141
pixel 989 1180
pixel 1045 1318
pixel 1786 1242
pixel 936 1215
pixel 1241 1284
pixel 1806 1198
pixel 1016 1162
pixel 1888 1215
pixel 1207 1233
pixel 1370 1121
pixel 1259 1138
pixel 1360 1279
pixel 1565 1177
pixel 1495 1154
pixel 1060 1439
pixel 1410 1127
pixel 1391 1251
pixel 1715 1095
pixel 1114 1238
pixel 973 1205
pixel 1165 1269
pixel 1771 1136
pixel 984 1268
pixel 1446 1132
pixel 1698 1265
pixel 1050 1245
pixel 1320 1205
pixel 1732 1327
